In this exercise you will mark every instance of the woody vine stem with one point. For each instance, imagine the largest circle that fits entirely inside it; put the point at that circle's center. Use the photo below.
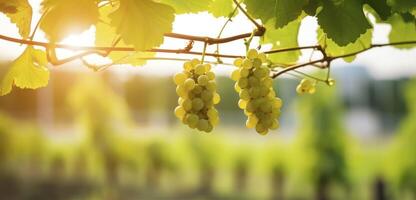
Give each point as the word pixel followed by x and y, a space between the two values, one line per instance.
pixel 259 31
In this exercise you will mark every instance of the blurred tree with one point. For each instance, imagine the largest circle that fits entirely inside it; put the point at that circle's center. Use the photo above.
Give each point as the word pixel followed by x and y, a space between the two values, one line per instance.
pixel 321 141
pixel 403 160
pixel 104 116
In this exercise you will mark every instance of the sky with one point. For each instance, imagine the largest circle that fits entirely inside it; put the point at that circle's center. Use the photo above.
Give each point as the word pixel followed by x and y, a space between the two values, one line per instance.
pixel 382 63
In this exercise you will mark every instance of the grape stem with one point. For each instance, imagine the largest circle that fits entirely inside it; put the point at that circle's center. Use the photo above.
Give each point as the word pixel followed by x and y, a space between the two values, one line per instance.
pixel 258 26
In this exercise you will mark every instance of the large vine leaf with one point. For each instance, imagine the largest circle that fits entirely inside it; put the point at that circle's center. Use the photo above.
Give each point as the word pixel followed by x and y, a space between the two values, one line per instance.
pixel 284 11
pixel 280 38
pixel 333 49
pixel 62 18
pixel 343 22
pixel 27 71
pixel 312 6
pixel 381 7
pixel 402 31
pixel 187 6
pixel 20 13
pixel 142 23
pixel 402 5
pixel 221 8
pixel 104 36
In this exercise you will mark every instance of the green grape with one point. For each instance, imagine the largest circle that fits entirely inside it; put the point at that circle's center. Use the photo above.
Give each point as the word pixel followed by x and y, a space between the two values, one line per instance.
pixel 243 83
pixel 262 57
pixel 244 94
pixel 203 80
pixel 236 87
pixel 200 69
pixel 235 75
pixel 211 86
pixel 242 104
pixel 212 113
pixel 189 84
pixel 181 91
pixel 268 82
pixel 197 104
pixel 180 100
pixel 255 92
pixel 187 104
pixel 275 125
pixel 253 81
pixel 257 97
pixel 206 95
pixel 180 112
pixel 195 62
pixel 244 72
pixel 203 125
pixel 211 75
pixel 197 89
pixel 238 62
pixel 207 67
pixel 180 78
pixel 188 66
pixel 331 82
pixel 247 64
pixel 252 54
pixel 306 86
pixel 216 98
pixel 264 91
pixel 251 121
pixel 191 120
pixel 257 63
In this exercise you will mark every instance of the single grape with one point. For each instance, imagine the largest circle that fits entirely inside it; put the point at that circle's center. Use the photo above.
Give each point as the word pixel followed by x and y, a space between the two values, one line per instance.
pixel 203 80
pixel 189 84
pixel 188 66
pixel 244 94
pixel 211 86
pixel 211 75
pixel 181 91
pixel 180 112
pixel 200 69
pixel 191 120
pixel 252 53
pixel 242 104
pixel 180 78
pixel 238 62
pixel 243 83
pixel 235 75
pixel 197 104
pixel 251 121
pixel 216 98
pixel 247 64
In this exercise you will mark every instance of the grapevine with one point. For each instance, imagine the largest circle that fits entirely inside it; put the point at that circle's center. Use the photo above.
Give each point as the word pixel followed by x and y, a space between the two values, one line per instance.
pixel 196 88
pixel 257 96
pixel 120 36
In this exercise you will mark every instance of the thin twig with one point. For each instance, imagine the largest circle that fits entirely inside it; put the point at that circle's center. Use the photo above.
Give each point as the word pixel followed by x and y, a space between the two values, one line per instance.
pixel 258 26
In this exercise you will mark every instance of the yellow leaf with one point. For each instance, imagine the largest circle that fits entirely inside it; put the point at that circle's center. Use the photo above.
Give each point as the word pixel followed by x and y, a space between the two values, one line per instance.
pixel 64 17
pixel 142 23
pixel 20 13
pixel 27 71
pixel 104 36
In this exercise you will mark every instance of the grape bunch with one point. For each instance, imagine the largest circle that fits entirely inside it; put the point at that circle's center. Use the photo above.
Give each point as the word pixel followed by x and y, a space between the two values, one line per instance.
pixel 306 86
pixel 196 88
pixel 257 97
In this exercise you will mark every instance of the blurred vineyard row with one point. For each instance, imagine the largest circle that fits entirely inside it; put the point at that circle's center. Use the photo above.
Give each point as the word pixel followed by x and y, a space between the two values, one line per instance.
pixel 107 159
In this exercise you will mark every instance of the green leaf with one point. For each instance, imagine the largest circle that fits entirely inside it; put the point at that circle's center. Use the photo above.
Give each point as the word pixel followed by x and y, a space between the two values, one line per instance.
pixel 63 18
pixel 187 6
pixel 311 7
pixel 20 13
pixel 283 11
pixel 27 71
pixel 381 8
pixel 343 22
pixel 221 8
pixel 104 36
pixel 402 5
pixel 142 23
pixel 286 37
pixel 333 49
pixel 402 31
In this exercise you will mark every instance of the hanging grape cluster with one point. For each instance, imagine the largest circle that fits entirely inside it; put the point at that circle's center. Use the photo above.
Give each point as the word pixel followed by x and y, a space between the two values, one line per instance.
pixel 257 97
pixel 196 88
pixel 306 86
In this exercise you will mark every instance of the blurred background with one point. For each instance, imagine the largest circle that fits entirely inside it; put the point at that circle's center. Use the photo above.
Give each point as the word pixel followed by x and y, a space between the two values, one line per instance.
pixel 113 135
pixel 105 136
